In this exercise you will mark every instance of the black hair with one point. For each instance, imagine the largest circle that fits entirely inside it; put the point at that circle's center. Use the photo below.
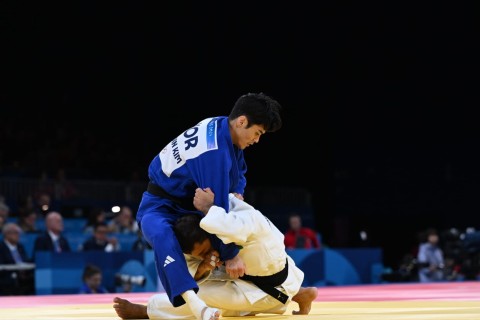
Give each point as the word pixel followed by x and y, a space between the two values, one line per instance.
pixel 97 225
pixel 90 270
pixel 188 232
pixel 259 109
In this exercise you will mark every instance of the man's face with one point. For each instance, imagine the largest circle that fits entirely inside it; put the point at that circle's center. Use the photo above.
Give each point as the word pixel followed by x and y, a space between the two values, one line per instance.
pixel 295 223
pixel 94 281
pixel 433 239
pixel 244 137
pixel 13 236
pixel 202 250
pixel 101 233
pixel 55 223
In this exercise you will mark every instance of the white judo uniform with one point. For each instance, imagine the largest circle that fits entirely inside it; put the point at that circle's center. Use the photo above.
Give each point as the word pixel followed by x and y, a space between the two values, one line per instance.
pixel 263 252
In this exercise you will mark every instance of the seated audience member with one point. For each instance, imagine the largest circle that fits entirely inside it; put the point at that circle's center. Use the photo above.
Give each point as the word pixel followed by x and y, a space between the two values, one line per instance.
pixel 298 236
pixel 92 280
pixel 140 243
pixel 4 211
pixel 28 222
pixel 97 215
pixel 123 222
pixel 62 187
pixel 12 252
pixel 430 258
pixel 2 221
pixel 100 240
pixel 25 204
pixel 52 239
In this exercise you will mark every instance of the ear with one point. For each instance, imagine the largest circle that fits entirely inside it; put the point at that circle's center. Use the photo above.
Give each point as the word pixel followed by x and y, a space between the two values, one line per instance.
pixel 242 121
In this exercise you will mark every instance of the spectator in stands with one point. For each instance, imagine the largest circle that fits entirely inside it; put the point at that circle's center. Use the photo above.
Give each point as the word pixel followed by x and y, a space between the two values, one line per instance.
pixel 298 236
pixel 2 221
pixel 430 258
pixel 25 204
pixel 28 222
pixel 124 222
pixel 100 240
pixel 12 252
pixel 140 243
pixel 52 239
pixel 63 188
pixel 97 215
pixel 44 184
pixel 4 211
pixel 92 280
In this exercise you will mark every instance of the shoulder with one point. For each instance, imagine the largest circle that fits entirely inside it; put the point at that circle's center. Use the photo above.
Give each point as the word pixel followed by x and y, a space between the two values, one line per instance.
pixel 305 230
pixel 42 237
pixel 423 246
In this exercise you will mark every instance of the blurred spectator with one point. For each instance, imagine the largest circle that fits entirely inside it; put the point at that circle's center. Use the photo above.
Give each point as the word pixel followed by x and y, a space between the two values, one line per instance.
pixel 4 211
pixel 430 258
pixel 44 184
pixel 140 243
pixel 100 240
pixel 92 280
pixel 28 222
pixel 63 188
pixel 298 236
pixel 12 252
pixel 4 214
pixel 96 215
pixel 123 222
pixel 52 239
pixel 25 204
pixel 2 221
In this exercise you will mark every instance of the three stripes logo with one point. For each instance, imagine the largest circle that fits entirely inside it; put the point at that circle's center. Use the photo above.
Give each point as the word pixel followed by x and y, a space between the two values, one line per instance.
pixel 168 260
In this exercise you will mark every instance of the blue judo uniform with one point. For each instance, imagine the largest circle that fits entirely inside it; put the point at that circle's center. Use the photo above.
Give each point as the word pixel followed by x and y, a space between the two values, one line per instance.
pixel 202 156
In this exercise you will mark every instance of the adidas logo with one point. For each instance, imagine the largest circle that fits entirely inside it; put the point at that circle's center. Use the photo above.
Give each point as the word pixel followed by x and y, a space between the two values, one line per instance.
pixel 168 260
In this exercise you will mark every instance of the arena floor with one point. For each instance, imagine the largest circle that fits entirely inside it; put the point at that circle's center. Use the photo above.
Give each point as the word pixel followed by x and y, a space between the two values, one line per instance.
pixel 438 301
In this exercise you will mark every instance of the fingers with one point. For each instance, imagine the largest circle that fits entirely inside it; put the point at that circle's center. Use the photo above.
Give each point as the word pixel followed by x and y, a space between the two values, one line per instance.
pixel 235 273
pixel 204 190
pixel 232 274
pixel 241 272
pixel 214 260
pixel 208 190
pixel 238 196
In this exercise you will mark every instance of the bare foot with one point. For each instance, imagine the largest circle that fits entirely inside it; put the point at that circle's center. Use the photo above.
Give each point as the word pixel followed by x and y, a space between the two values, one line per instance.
pixel 127 310
pixel 210 314
pixel 304 298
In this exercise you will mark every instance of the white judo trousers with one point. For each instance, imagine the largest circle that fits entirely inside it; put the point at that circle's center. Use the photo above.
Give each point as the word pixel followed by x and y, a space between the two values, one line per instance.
pixel 263 252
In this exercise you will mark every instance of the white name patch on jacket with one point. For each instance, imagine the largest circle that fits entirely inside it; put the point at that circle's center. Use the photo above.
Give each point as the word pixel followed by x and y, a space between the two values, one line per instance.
pixel 189 145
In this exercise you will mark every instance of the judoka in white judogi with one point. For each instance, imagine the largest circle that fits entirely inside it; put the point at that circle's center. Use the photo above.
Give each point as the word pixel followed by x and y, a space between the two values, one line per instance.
pixel 262 250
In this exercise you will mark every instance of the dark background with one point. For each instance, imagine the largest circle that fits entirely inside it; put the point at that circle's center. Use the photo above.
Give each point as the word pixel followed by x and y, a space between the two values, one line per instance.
pixel 378 98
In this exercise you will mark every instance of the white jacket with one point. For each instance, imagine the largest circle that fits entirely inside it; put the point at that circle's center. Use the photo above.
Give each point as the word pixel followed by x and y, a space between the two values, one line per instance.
pixel 263 248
